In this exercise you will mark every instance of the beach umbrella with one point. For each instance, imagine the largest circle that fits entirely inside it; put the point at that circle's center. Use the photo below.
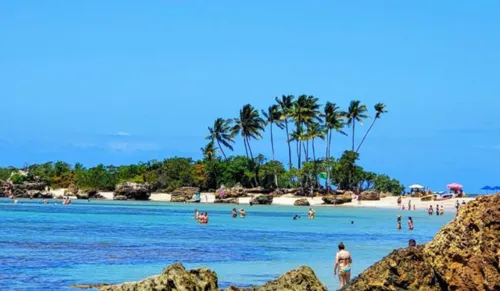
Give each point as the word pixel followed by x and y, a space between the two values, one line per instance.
pixel 416 186
pixel 496 188
pixel 488 188
pixel 454 186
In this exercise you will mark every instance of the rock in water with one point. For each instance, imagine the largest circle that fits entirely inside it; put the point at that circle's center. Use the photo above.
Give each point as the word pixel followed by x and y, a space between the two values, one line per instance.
pixel 301 279
pixel 262 199
pixel 133 191
pixel 464 255
pixel 176 278
pixel 403 269
pixel 466 252
pixel 173 278
pixel 301 202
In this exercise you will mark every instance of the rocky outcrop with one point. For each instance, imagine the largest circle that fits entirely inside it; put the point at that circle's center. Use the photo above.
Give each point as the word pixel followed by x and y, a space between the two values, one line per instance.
pixel 133 191
pixel 173 278
pixel 236 191
pixel 176 278
pixel 464 255
pixel 337 199
pixel 25 189
pixel 188 192
pixel 178 199
pixel 301 202
pixel 119 197
pixel 262 199
pixel 369 195
pixel 227 200
pixel 301 279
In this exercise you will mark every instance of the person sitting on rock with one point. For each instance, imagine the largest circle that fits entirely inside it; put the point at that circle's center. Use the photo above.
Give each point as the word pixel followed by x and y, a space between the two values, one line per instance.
pixel 242 213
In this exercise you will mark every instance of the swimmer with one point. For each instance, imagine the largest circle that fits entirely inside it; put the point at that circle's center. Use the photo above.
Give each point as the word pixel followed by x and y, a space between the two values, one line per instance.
pixel 398 225
pixel 412 243
pixel 242 213
pixel 196 214
pixel 343 261
pixel 410 223
pixel 234 214
pixel 311 213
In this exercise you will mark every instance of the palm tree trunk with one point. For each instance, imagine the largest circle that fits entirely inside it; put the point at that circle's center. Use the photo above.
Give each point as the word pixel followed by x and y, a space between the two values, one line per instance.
pixel 224 154
pixel 246 147
pixel 307 151
pixel 250 149
pixel 361 143
pixel 330 144
pixel 327 143
pixel 272 141
pixel 353 126
pixel 289 147
pixel 314 151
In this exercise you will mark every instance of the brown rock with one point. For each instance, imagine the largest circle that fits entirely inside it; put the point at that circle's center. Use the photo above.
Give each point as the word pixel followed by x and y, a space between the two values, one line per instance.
pixel 227 200
pixel 236 191
pixel 464 255
pixel 301 202
pixel 188 192
pixel 369 195
pixel 337 199
pixel 133 191
pixel 262 199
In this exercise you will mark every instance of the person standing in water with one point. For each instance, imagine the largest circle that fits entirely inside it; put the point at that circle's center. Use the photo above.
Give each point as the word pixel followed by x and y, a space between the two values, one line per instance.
pixel 343 261
pixel 196 214
pixel 410 223
pixel 398 226
pixel 311 213
pixel 243 214
pixel 430 210
pixel 437 209
pixel 234 214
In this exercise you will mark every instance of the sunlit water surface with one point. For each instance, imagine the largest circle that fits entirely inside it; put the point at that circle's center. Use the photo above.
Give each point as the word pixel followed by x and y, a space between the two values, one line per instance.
pixel 50 247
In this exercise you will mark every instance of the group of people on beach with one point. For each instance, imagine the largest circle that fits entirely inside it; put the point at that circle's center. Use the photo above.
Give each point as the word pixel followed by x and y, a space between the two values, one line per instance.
pixel 402 206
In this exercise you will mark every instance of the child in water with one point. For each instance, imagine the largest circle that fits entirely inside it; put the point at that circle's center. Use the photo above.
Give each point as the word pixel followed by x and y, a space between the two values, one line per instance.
pixel 410 223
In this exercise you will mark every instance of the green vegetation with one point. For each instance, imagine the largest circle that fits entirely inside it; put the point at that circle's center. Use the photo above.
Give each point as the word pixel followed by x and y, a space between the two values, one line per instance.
pixel 304 121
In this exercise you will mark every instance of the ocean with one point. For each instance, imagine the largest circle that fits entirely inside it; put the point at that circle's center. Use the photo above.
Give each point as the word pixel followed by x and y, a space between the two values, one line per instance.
pixel 50 247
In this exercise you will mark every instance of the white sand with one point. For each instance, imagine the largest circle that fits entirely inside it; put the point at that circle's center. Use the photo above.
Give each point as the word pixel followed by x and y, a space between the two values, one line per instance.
pixel 289 200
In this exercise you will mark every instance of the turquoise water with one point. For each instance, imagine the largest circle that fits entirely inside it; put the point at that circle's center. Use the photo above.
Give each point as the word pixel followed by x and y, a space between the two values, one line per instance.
pixel 49 247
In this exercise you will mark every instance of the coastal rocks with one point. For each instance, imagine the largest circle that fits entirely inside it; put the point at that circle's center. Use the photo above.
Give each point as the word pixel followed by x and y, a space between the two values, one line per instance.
pixel 369 195
pixel 301 202
pixel 186 191
pixel 403 269
pixel 176 278
pixel 119 197
pixel 227 200
pixel 236 191
pixel 26 190
pixel 133 191
pixel 262 199
pixel 464 255
pixel 173 278
pixel 178 199
pixel 337 199
pixel 301 279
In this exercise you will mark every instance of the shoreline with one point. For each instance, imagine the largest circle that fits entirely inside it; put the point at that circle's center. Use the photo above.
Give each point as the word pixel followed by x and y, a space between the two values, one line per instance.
pixel 389 202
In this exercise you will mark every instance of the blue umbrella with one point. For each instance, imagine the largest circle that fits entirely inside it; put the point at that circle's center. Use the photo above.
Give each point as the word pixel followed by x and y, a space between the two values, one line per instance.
pixel 487 188
pixel 496 188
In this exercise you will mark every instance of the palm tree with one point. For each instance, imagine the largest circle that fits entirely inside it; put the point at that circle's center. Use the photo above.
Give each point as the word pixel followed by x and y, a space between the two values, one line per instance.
pixel 305 112
pixel 334 121
pixel 379 110
pixel 221 132
pixel 209 151
pixel 285 105
pixel 273 116
pixel 316 130
pixel 249 125
pixel 355 113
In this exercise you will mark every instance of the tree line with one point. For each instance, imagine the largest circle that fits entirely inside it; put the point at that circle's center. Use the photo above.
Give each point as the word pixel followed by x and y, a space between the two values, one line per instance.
pixel 303 120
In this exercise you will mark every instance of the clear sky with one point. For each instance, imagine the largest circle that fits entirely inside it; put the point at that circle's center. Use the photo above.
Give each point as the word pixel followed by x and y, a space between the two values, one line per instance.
pixel 127 81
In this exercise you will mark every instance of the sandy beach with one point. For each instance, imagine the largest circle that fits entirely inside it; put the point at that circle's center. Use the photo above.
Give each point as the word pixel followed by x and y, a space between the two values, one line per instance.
pixel 289 200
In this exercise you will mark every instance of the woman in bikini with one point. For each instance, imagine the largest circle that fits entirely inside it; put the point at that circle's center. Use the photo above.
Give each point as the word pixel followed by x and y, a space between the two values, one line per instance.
pixel 343 261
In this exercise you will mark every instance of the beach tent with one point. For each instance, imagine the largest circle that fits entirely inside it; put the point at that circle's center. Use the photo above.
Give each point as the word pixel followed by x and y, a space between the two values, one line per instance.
pixel 454 186
pixel 416 186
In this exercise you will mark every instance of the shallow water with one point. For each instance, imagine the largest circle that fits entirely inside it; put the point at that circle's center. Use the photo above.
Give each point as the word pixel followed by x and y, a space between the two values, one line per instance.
pixel 49 247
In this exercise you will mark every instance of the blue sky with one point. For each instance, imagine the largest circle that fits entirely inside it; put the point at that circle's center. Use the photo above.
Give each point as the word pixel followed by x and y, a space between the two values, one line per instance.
pixel 127 81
